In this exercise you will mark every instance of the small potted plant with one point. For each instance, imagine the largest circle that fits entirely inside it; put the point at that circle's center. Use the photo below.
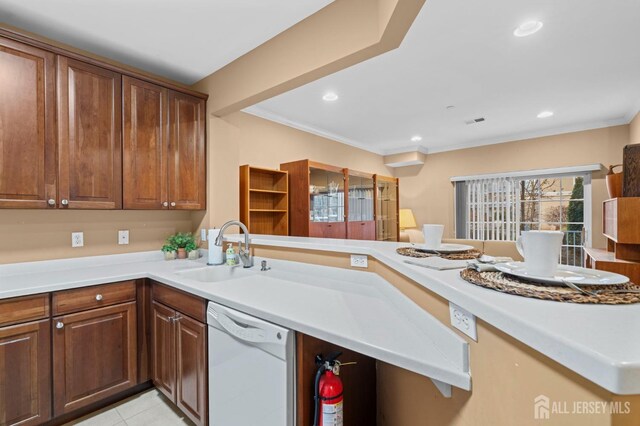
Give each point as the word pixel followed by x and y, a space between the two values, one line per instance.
pixel 169 251
pixel 184 242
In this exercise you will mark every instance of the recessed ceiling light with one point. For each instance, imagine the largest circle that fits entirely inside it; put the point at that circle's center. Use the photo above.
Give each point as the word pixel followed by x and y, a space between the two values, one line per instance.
pixel 527 28
pixel 545 114
pixel 416 138
pixel 330 96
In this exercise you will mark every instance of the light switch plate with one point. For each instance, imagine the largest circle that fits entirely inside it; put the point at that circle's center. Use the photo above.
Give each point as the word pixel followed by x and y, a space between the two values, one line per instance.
pixel 203 234
pixel 463 320
pixel 77 239
pixel 123 237
pixel 359 261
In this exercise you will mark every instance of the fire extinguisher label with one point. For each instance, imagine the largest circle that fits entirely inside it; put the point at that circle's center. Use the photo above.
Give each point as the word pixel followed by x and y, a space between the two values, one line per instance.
pixel 332 414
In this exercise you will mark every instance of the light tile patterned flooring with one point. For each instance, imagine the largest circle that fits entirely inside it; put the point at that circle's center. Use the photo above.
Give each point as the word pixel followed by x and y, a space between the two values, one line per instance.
pixel 147 408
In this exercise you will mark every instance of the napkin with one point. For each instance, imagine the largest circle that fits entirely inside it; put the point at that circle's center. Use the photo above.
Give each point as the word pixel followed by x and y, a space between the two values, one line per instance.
pixel 437 263
pixel 487 263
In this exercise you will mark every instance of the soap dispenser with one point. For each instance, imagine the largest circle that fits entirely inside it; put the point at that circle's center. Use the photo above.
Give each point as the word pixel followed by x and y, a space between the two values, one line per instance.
pixel 231 255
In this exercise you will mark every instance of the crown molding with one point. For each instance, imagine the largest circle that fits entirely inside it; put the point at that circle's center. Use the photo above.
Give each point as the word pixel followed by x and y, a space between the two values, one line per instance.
pixel 267 115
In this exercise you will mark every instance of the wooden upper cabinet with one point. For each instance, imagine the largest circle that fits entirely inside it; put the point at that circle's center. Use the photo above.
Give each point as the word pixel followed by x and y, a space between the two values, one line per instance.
pixel 186 168
pixel 89 136
pixel 145 143
pixel 27 126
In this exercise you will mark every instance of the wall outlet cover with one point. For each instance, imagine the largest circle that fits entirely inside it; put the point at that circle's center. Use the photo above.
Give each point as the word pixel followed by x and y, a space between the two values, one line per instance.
pixel 123 237
pixel 77 239
pixel 203 234
pixel 359 261
pixel 463 320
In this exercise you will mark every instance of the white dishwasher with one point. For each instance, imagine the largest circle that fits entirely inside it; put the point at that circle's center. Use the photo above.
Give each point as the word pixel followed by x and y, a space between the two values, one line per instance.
pixel 251 370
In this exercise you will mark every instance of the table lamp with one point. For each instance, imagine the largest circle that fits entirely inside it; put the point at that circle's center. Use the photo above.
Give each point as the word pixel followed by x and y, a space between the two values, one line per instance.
pixel 407 220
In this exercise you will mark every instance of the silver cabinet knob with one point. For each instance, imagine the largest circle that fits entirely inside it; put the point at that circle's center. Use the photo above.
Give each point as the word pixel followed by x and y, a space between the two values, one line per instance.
pixel 173 204
pixel 59 325
pixel 98 297
pixel 64 202
pixel 51 202
pixel 165 204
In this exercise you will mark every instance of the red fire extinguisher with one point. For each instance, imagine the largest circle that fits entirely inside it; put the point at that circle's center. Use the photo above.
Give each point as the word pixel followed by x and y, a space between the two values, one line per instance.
pixel 328 392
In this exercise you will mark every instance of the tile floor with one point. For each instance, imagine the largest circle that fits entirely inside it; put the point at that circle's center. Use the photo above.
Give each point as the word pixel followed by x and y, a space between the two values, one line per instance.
pixel 147 408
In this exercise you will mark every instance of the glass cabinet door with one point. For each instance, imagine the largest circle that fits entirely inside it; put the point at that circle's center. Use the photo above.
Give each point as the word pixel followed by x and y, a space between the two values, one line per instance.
pixel 360 198
pixel 326 193
pixel 387 210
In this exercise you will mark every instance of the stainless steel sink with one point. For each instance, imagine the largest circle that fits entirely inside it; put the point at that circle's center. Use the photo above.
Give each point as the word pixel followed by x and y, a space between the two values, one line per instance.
pixel 217 273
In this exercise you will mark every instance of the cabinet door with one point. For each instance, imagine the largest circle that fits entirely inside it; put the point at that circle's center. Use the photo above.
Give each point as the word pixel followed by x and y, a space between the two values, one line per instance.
pixel 94 355
pixel 144 164
pixel 191 371
pixel 362 230
pixel 164 349
pixel 25 373
pixel 89 136
pixel 187 172
pixel 27 132
pixel 328 230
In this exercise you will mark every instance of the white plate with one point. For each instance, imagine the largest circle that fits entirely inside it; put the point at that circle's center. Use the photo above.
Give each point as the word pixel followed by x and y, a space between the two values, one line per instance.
pixel 574 274
pixel 445 248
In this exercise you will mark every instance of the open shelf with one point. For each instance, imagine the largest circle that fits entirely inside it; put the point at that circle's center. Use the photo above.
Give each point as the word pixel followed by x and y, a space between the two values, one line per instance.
pixel 267 191
pixel 264 200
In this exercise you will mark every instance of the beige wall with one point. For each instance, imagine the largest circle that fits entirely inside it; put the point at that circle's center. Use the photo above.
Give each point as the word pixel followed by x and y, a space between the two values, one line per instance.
pixel 242 138
pixel 634 129
pixel 429 193
pixel 46 234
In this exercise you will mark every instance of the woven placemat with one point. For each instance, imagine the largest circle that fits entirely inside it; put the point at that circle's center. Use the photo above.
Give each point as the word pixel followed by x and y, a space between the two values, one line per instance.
pixel 417 252
pixel 513 285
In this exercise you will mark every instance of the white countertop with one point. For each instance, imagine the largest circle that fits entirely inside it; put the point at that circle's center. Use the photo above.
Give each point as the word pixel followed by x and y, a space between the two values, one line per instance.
pixel 598 342
pixel 356 310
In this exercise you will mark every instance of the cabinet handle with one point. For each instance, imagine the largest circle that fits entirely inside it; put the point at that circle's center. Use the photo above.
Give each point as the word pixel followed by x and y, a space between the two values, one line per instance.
pixel 59 325
pixel 51 202
pixel 64 202
pixel 98 297
pixel 165 204
pixel 173 204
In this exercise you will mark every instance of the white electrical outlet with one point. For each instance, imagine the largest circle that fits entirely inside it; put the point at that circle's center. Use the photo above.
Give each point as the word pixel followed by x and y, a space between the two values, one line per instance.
pixel 359 261
pixel 123 237
pixel 463 320
pixel 77 239
pixel 203 234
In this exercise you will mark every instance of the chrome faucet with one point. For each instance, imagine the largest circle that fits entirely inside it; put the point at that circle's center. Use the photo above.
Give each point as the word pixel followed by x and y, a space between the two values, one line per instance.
pixel 243 253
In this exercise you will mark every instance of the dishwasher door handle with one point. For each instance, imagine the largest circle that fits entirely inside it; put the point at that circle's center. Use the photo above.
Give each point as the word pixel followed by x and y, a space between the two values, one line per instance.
pixel 242 331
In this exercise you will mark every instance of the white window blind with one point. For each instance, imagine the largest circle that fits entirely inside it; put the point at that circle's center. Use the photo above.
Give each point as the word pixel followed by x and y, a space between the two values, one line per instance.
pixel 492 209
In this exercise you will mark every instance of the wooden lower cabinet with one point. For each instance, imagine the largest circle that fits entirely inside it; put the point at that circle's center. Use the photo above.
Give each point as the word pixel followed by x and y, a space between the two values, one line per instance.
pixel 362 230
pixel 25 375
pixel 180 360
pixel 359 381
pixel 164 350
pixel 191 368
pixel 328 229
pixel 94 355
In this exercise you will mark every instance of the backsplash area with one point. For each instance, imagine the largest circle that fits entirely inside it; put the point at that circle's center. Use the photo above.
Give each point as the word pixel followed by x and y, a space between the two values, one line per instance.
pixel 29 235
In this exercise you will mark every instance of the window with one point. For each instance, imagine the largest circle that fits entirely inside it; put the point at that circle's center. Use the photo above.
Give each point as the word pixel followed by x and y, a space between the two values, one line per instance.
pixel 500 207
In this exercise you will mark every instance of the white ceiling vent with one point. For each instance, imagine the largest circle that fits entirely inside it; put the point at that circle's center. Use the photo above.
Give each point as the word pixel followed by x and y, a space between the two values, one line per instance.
pixel 474 121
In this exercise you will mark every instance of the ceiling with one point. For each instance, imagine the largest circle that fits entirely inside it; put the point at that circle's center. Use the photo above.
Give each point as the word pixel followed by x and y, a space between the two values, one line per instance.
pixel 584 65
pixel 184 40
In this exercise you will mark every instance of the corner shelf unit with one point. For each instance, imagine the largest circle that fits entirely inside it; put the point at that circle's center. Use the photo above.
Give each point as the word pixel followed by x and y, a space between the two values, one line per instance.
pixel 621 228
pixel 264 200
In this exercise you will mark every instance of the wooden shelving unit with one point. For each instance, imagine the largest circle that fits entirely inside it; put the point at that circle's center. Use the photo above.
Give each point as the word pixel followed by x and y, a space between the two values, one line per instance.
pixel 622 229
pixel 264 200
